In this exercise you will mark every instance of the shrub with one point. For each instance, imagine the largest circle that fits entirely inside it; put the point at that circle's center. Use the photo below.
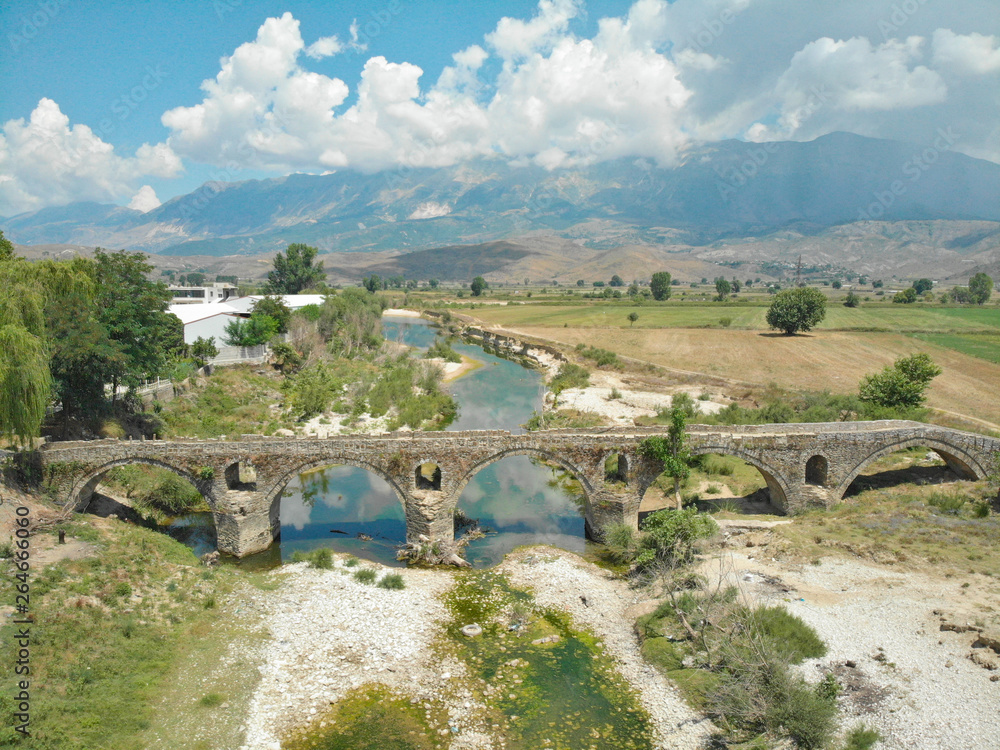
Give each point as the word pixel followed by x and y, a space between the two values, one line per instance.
pixel 392 581
pixel 570 376
pixel 122 589
pixel 763 696
pixel 671 535
pixel 351 561
pixel 365 575
pixel 792 638
pixel 861 738
pixel 621 542
pixel 946 503
pixel 210 700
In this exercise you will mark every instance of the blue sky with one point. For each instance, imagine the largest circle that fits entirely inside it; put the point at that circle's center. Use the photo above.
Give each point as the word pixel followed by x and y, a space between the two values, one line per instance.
pixel 139 102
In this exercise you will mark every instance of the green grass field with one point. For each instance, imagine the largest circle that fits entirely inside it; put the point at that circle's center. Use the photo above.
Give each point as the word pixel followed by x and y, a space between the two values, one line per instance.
pixel 981 345
pixel 881 317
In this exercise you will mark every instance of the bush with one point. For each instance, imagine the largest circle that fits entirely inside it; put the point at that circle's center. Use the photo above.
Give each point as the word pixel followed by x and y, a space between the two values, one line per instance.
pixel 763 696
pixel 441 349
pixel 671 535
pixel 900 385
pixel 788 634
pixel 321 558
pixel 861 738
pixel 392 581
pixel 570 376
pixel 621 542
pixel 365 575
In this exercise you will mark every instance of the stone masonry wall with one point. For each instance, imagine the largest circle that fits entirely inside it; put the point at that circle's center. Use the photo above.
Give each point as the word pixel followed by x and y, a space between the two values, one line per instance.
pixel 804 465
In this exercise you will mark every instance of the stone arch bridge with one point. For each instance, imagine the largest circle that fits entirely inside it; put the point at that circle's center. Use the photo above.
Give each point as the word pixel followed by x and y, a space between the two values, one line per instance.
pixel 804 465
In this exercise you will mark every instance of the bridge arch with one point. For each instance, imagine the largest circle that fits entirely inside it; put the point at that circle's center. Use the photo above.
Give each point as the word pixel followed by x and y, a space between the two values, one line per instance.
pixel 958 460
pixel 777 485
pixel 83 490
pixel 271 493
pixel 577 473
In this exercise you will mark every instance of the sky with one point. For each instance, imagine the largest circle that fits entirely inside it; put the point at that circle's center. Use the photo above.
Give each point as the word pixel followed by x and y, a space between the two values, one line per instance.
pixel 135 103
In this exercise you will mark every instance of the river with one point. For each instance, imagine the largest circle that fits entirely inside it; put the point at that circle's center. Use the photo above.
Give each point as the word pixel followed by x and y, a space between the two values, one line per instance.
pixel 518 499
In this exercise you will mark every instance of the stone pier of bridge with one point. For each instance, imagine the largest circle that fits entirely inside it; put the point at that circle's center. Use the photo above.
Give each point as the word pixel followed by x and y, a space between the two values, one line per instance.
pixel 804 466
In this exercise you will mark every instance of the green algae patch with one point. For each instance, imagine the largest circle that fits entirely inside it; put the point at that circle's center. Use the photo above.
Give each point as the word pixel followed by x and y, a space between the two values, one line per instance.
pixel 548 684
pixel 370 718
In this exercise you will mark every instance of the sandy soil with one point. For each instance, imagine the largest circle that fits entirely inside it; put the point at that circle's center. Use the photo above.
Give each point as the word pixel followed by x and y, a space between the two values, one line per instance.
pixel 632 403
pixel 820 360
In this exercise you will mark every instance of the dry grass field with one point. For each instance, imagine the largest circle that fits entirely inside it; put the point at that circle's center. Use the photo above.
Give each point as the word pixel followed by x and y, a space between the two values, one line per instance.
pixel 819 360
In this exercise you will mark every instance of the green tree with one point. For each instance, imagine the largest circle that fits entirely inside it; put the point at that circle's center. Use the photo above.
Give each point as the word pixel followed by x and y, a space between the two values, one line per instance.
pixel 852 300
pixel 257 330
pixel 434 283
pixel 6 248
pixel 659 285
pixel 737 285
pixel 372 283
pixel 581 282
pixel 633 289
pixel 671 451
pixel 722 288
pixel 922 285
pixel 25 381
pixel 905 297
pixel 980 288
pixel 794 310
pixel 82 356
pixel 837 284
pixel 294 271
pixel 900 385
pixel 273 306
pixel 133 309
pixel 478 285
pixel 616 280
pixel 203 350
pixel 632 317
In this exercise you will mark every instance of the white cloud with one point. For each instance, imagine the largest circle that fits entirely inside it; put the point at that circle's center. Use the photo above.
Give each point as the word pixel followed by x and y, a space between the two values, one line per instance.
pixel 46 161
pixel 971 54
pixel 144 200
pixel 326 46
pixel 514 39
pixel 828 80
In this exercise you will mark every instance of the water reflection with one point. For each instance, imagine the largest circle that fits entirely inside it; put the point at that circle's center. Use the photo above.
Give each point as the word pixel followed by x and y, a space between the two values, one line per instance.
pixel 522 501
pixel 343 507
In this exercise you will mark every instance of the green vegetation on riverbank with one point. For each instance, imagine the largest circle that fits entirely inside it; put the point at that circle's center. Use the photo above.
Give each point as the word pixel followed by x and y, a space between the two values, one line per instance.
pixel 109 630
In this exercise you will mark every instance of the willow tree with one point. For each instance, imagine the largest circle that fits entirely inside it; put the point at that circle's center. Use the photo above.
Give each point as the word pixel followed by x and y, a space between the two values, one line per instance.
pixel 25 383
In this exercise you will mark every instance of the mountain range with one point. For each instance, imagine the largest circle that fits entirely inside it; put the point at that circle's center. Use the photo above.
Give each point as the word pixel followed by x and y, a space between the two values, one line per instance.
pixel 726 202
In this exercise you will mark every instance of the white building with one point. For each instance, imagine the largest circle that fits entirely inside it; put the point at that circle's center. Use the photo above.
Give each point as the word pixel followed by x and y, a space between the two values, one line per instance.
pixel 205 320
pixel 217 292
pixel 292 301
